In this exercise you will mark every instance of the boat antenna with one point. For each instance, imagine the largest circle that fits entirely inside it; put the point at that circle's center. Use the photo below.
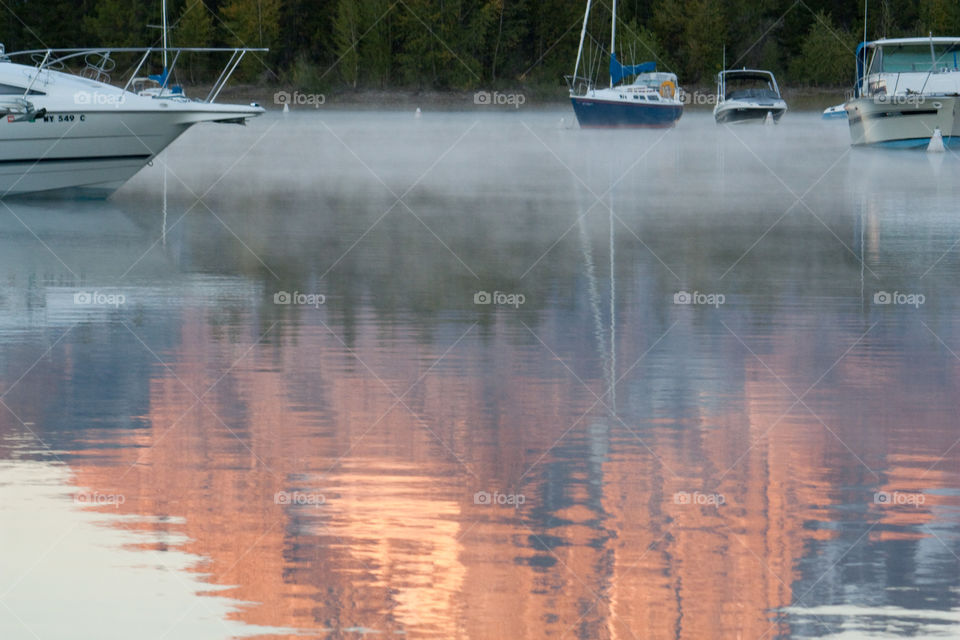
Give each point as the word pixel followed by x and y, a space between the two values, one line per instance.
pixel 933 65
pixel 583 35
pixel 856 89
pixel 613 37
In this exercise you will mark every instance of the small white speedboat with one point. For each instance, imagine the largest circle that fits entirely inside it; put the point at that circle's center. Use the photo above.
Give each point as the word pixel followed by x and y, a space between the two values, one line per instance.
pixel 748 95
pixel 836 112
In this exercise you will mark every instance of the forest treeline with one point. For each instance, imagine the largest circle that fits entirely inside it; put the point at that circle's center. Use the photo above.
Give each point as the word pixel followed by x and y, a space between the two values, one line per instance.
pixel 465 44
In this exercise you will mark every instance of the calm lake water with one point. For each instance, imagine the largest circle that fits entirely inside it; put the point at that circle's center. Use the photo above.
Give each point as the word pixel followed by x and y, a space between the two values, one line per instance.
pixel 486 376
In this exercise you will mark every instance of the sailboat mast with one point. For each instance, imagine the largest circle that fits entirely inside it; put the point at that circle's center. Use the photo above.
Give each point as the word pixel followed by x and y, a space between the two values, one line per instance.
pixel 583 35
pixel 613 37
pixel 164 23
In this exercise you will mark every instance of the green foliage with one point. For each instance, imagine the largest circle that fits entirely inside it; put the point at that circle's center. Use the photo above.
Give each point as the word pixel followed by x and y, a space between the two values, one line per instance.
pixel 942 17
pixel 826 54
pixel 194 28
pixel 463 44
pixel 117 23
pixel 695 31
pixel 252 23
pixel 346 34
pixel 376 46
pixel 309 76
pixel 506 35
pixel 442 43
pixel 637 44
pixel 704 39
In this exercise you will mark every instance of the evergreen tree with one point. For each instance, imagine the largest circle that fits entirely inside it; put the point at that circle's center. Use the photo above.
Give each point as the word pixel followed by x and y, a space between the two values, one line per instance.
pixel 466 43
pixel 508 32
pixel 252 23
pixel 346 37
pixel 555 31
pixel 939 16
pixel 117 23
pixel 194 28
pixel 704 38
pixel 826 55
pixel 416 57
pixel 376 46
pixel 306 31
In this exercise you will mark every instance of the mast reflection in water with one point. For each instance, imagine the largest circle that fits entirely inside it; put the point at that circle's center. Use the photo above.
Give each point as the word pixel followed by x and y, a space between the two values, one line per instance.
pixel 600 461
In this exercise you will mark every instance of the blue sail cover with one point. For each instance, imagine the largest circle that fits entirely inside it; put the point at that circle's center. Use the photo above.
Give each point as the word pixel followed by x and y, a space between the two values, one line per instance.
pixel 861 67
pixel 618 71
pixel 160 78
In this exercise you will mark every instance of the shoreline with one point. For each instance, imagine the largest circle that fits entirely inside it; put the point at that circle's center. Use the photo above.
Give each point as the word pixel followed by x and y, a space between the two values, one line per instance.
pixel 520 98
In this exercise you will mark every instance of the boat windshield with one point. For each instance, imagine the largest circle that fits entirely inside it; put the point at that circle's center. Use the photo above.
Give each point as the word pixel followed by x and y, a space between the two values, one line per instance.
pixel 654 79
pixel 913 58
pixel 748 88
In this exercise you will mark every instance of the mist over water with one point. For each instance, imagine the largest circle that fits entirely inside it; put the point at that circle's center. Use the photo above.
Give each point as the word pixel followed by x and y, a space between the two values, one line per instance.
pixel 487 375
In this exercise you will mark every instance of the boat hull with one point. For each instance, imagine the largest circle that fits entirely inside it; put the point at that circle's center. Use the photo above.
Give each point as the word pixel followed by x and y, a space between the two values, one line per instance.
pixel 597 113
pixel 745 112
pixel 904 123
pixel 96 155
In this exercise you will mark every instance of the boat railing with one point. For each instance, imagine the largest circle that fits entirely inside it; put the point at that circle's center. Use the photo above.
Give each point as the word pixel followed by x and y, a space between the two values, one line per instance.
pixel 578 85
pixel 100 62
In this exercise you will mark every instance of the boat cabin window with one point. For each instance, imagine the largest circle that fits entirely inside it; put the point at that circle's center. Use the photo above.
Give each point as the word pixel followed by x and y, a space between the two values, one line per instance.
pixel 748 87
pixel 10 90
pixel 915 58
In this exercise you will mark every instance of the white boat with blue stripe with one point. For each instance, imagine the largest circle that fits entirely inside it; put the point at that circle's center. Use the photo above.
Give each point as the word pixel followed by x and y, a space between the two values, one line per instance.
pixel 907 92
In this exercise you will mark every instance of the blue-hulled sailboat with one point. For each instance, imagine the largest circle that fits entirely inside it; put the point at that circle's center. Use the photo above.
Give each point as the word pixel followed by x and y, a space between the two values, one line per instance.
pixel 651 100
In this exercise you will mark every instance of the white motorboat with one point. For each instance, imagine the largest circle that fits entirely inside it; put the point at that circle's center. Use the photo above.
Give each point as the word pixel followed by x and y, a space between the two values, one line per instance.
pixel 63 130
pixel 907 89
pixel 747 95
pixel 836 112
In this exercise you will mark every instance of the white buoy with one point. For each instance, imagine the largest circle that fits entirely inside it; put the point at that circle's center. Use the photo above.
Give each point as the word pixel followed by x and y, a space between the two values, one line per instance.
pixel 418 114
pixel 286 108
pixel 769 118
pixel 936 142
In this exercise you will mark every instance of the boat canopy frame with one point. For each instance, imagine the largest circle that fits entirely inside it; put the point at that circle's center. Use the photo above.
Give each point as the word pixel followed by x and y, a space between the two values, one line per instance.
pixel 99 62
